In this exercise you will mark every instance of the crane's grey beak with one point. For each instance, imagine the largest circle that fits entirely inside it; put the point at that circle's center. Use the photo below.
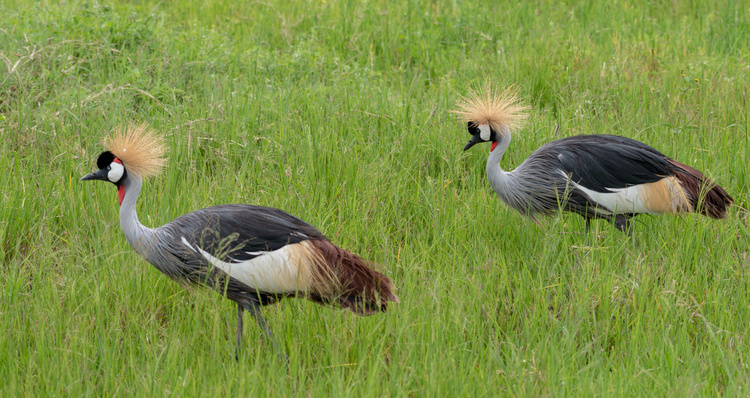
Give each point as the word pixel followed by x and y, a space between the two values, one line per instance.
pixel 97 175
pixel 475 139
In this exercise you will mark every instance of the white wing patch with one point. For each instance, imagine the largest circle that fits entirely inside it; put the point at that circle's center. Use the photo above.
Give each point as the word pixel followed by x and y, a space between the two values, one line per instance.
pixel 620 201
pixel 277 271
pixel 299 235
pixel 257 253
pixel 186 243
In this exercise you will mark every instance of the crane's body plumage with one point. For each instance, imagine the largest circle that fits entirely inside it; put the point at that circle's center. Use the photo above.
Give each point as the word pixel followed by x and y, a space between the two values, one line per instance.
pixel 261 249
pixel 253 255
pixel 596 176
pixel 572 171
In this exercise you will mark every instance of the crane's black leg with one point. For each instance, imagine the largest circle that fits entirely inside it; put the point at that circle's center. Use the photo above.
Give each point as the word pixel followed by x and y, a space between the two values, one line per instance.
pixel 622 223
pixel 588 225
pixel 239 332
pixel 254 309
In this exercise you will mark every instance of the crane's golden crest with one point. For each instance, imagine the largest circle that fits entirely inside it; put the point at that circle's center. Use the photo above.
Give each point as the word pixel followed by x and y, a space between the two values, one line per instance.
pixel 139 148
pixel 496 110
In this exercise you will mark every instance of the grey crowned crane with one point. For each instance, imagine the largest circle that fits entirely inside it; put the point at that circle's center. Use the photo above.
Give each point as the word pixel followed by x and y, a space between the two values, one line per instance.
pixel 597 176
pixel 253 255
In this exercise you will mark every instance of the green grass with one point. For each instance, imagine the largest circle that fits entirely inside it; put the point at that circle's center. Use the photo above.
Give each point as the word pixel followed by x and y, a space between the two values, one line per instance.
pixel 338 112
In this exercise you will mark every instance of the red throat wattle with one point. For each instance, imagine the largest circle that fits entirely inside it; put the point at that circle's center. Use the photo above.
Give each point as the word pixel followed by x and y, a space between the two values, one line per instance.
pixel 120 193
pixel 494 144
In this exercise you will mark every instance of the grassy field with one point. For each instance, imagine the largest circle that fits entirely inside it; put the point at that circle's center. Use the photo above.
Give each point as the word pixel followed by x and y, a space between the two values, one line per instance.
pixel 338 112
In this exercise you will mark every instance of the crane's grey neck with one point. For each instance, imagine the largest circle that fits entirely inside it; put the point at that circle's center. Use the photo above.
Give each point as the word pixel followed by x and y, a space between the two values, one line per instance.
pixel 503 183
pixel 496 155
pixel 138 235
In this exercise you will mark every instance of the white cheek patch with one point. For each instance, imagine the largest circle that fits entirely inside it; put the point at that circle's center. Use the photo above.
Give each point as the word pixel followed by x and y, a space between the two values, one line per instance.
pixel 116 170
pixel 484 132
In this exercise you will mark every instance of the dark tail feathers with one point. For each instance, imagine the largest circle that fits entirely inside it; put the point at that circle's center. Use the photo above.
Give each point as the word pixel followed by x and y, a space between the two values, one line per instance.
pixel 360 288
pixel 712 199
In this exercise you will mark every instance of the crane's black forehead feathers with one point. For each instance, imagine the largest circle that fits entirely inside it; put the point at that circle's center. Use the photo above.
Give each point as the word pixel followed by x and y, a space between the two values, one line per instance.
pixel 105 159
pixel 473 129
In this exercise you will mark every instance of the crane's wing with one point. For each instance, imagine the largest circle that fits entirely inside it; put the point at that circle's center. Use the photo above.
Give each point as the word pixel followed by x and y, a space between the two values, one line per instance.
pixel 238 233
pixel 604 162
